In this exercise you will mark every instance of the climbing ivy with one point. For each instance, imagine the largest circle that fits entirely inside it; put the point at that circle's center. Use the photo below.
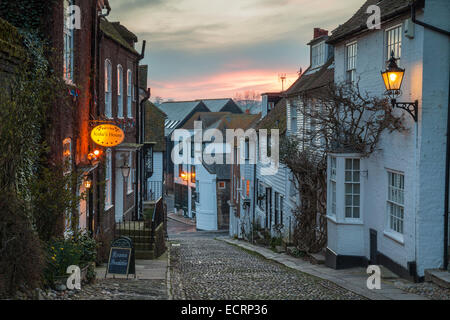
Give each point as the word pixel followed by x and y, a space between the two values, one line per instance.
pixel 29 15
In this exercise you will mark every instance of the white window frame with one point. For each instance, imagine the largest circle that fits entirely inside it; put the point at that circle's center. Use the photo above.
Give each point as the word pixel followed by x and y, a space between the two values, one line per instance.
pixel 354 181
pixel 351 58
pixel 108 89
pixel 69 33
pixel 108 180
pixel 318 52
pixel 119 91
pixel 129 94
pixel 395 199
pixel 333 187
pixel 393 41
pixel 130 176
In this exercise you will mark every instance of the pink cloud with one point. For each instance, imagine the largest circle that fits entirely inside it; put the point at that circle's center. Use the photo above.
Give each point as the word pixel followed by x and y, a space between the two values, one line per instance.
pixel 220 85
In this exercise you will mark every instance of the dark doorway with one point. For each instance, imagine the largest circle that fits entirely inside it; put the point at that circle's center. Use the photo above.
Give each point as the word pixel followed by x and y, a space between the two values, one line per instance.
pixel 268 208
pixel 373 247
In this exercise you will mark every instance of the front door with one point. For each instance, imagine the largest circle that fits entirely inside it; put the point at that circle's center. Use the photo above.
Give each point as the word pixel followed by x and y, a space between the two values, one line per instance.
pixel 118 195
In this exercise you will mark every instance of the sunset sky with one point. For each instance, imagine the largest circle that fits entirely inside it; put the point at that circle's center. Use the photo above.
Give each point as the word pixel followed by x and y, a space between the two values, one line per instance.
pixel 200 49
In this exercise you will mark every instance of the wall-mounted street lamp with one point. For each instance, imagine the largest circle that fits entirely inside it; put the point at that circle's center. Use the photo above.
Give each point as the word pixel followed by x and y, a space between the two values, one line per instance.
pixel 393 79
pixel 125 170
pixel 87 183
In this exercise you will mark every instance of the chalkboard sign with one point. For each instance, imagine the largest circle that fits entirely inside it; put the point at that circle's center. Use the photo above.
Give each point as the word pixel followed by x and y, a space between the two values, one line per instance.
pixel 119 261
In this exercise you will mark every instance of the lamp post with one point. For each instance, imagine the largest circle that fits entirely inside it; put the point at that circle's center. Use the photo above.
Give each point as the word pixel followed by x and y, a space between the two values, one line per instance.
pixel 393 79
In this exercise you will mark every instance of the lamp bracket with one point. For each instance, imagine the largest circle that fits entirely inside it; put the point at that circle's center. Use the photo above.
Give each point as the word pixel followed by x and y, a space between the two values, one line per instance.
pixel 410 107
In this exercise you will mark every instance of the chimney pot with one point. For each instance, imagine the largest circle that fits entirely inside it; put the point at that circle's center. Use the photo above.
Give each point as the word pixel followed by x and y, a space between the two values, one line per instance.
pixel 318 32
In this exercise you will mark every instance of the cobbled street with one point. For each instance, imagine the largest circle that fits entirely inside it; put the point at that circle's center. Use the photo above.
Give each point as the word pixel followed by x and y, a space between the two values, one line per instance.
pixel 205 268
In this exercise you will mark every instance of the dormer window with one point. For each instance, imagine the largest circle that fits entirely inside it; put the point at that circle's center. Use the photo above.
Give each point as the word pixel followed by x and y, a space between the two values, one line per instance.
pixel 318 53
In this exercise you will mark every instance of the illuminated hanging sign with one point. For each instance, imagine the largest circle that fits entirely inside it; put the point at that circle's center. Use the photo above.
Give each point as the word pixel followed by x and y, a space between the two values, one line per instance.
pixel 107 135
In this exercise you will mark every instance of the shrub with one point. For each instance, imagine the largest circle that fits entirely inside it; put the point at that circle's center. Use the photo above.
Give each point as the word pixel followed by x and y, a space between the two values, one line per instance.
pixel 21 251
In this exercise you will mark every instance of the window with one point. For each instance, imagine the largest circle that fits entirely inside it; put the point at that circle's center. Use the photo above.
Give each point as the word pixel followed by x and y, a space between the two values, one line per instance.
pixel 352 51
pixel 260 195
pixel 396 201
pixel 247 149
pixel 352 188
pixel 108 89
pixel 318 55
pixel 293 119
pixel 222 185
pixel 270 106
pixel 108 178
pixel 129 93
pixel 277 208
pixel 68 44
pixel 281 209
pixel 119 91
pixel 67 155
pixel 130 164
pixel 394 42
pixel 333 186
pixel 248 189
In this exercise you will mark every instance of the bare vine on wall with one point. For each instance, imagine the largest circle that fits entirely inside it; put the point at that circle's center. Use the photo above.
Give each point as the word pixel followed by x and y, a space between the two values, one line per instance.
pixel 339 118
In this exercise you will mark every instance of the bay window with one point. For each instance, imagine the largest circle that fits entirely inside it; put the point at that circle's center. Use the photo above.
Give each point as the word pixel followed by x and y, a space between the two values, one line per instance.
pixel 352 188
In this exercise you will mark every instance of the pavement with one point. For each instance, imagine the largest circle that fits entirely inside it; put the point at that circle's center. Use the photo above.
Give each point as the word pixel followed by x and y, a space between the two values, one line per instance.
pixel 353 279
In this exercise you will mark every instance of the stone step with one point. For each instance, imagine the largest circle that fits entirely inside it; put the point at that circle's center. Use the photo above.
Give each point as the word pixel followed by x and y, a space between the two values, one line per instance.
pixel 144 254
pixel 439 277
pixel 318 258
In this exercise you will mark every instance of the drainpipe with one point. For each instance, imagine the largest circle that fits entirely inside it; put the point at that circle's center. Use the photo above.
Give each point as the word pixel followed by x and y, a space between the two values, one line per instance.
pixel 447 156
pixel 139 137
pixel 254 200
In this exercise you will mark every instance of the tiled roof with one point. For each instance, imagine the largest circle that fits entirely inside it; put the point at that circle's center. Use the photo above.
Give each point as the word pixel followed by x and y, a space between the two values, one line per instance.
pixel 275 119
pixel 313 79
pixel 112 32
pixel 154 126
pixel 217 105
pixel 207 119
pixel 176 112
pixel 358 22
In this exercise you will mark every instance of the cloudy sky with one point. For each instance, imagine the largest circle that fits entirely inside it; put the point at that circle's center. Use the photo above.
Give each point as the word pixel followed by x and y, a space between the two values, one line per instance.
pixel 216 48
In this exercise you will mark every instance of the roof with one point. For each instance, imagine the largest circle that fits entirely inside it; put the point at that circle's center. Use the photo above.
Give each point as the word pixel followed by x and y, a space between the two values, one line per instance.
pixel 116 32
pixel 276 118
pixel 207 119
pixel 313 79
pixel 216 105
pixel 237 121
pixel 176 112
pixel 154 126
pixel 358 22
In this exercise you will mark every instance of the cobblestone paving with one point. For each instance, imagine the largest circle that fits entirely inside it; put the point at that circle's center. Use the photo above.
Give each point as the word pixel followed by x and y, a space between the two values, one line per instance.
pixel 426 289
pixel 208 269
pixel 114 289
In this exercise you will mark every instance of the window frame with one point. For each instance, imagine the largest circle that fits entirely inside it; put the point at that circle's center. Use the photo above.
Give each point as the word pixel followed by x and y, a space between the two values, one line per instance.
pixel 318 54
pixel 68 46
pixel 388 46
pixel 333 192
pixel 129 94
pixel 120 113
pixel 108 180
pixel 351 62
pixel 130 178
pixel 392 202
pixel 352 194
pixel 108 89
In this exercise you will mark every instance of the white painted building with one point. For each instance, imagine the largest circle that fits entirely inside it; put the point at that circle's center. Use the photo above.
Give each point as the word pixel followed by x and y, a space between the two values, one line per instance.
pixel 389 208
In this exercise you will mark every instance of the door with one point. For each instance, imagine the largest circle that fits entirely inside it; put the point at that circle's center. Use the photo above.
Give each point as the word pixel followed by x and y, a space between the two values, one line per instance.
pixel 373 246
pixel 118 195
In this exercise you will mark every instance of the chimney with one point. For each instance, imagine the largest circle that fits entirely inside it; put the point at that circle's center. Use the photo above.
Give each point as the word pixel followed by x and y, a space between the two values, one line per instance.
pixel 320 32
